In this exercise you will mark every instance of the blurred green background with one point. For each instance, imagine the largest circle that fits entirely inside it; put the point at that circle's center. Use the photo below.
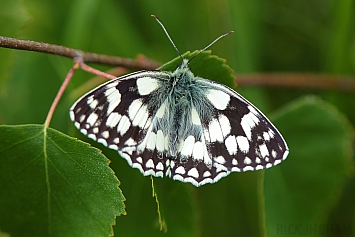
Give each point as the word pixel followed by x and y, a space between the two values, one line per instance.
pixel 311 194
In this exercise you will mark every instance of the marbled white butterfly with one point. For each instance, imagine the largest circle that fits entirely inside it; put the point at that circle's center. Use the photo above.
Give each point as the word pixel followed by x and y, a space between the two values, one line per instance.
pixel 178 125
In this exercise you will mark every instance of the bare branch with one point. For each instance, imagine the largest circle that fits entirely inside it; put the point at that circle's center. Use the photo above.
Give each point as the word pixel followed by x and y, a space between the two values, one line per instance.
pixel 29 45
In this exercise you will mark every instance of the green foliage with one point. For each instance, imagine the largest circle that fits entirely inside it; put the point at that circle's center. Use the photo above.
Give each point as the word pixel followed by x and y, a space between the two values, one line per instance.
pixel 55 185
pixel 321 139
pixel 52 183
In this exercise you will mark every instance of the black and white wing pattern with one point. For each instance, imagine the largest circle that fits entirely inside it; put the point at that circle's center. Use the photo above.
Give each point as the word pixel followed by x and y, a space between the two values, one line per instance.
pixel 116 113
pixel 181 126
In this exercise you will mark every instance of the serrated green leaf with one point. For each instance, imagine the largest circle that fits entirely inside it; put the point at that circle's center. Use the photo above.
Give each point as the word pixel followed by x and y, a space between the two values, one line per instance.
pixel 55 185
pixel 206 66
pixel 300 192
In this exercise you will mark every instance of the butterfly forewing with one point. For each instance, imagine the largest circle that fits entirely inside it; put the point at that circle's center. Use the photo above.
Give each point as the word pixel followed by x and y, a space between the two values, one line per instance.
pixel 115 113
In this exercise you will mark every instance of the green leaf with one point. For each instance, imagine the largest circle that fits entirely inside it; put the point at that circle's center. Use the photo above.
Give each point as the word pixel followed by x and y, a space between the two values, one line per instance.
pixel 206 66
pixel 300 193
pixel 55 185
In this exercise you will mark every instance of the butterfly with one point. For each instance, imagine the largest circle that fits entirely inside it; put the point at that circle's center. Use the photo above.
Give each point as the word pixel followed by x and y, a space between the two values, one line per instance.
pixel 179 125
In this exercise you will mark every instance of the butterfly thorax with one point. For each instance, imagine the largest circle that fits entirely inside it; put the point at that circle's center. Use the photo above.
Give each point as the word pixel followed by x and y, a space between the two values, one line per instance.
pixel 182 73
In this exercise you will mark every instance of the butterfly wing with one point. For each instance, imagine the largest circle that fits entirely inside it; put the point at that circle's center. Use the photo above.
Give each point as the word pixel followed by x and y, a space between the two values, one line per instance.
pixel 236 137
pixel 116 113
pixel 131 114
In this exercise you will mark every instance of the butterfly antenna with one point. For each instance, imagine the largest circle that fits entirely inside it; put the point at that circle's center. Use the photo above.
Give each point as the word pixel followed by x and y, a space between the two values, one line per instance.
pixel 161 24
pixel 214 41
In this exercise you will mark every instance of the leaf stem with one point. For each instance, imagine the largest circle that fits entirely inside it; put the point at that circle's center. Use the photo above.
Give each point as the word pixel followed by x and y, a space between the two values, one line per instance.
pixel 96 72
pixel 78 63
pixel 162 223
pixel 60 93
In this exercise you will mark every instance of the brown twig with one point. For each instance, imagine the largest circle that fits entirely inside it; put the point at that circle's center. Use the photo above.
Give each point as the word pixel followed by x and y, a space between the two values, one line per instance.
pixel 87 57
